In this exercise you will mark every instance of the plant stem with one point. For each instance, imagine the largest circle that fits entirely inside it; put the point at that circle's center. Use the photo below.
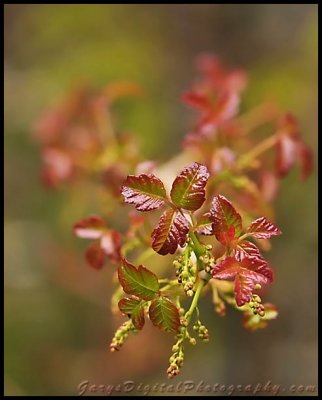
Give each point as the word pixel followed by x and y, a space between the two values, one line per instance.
pixel 197 246
pixel 266 144
pixel 145 255
pixel 194 302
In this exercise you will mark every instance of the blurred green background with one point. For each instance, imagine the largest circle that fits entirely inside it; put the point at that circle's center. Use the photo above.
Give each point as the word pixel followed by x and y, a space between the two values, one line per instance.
pixel 57 319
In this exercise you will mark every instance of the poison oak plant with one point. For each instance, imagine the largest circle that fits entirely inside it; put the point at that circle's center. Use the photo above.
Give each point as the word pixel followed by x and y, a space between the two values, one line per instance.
pixel 214 223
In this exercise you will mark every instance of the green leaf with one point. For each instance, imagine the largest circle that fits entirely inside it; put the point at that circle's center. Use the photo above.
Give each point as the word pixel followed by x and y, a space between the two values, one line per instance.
pixel 188 189
pixel 139 282
pixel 134 308
pixel 164 314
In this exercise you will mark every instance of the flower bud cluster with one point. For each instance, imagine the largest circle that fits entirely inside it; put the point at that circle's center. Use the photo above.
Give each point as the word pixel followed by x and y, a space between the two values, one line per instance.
pixel 186 272
pixel 256 305
pixel 202 331
pixel 121 335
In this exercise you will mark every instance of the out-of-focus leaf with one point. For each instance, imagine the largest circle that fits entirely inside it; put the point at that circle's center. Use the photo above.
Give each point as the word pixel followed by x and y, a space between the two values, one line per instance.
pixel 111 244
pixel 305 156
pixel 95 255
pixel 90 228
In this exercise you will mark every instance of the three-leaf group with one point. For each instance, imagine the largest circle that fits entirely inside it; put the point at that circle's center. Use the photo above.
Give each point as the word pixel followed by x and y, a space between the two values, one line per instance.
pixel 143 286
pixel 147 192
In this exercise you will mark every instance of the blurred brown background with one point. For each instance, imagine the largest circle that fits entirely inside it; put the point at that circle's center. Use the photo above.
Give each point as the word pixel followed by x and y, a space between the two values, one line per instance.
pixel 57 319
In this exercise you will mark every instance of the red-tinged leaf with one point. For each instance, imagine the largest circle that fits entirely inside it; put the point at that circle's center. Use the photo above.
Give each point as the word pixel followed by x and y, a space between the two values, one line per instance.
pixel 58 166
pixel 227 269
pixel 221 159
pixel 204 225
pixel 145 167
pixel 253 322
pixel 268 185
pixel 246 249
pixel 111 244
pixel 285 154
pixel 227 237
pixel 224 216
pixel 90 228
pixel 164 314
pixel 188 189
pixel 196 100
pixel 133 308
pixel 245 273
pixel 136 221
pixel 139 282
pixel 146 192
pixel 95 255
pixel 226 107
pixel 305 156
pixel 170 232
pixel 256 269
pixel 261 228
pixel 243 289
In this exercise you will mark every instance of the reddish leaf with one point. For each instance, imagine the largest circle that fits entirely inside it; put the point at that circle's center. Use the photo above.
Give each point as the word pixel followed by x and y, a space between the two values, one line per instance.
pixel 188 189
pixel 268 185
pixel 196 100
pixel 246 249
pixel 111 244
pixel 253 322
pixel 204 225
pixel 164 314
pixel 224 217
pixel 245 273
pixel 226 107
pixel 139 282
pixel 227 237
pixel 290 148
pixel 243 289
pixel 221 159
pixel 285 154
pixel 58 166
pixel 170 232
pixel 134 309
pixel 136 221
pixel 146 192
pixel 305 156
pixel 261 228
pixel 95 255
pixel 146 167
pixel 90 228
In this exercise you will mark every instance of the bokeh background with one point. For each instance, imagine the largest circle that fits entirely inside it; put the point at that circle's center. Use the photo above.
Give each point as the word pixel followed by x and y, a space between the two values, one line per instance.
pixel 57 318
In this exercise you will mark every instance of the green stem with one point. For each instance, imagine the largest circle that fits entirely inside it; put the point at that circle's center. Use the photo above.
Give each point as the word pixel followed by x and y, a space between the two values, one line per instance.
pixel 145 255
pixel 242 237
pixel 197 246
pixel 194 302
pixel 266 144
